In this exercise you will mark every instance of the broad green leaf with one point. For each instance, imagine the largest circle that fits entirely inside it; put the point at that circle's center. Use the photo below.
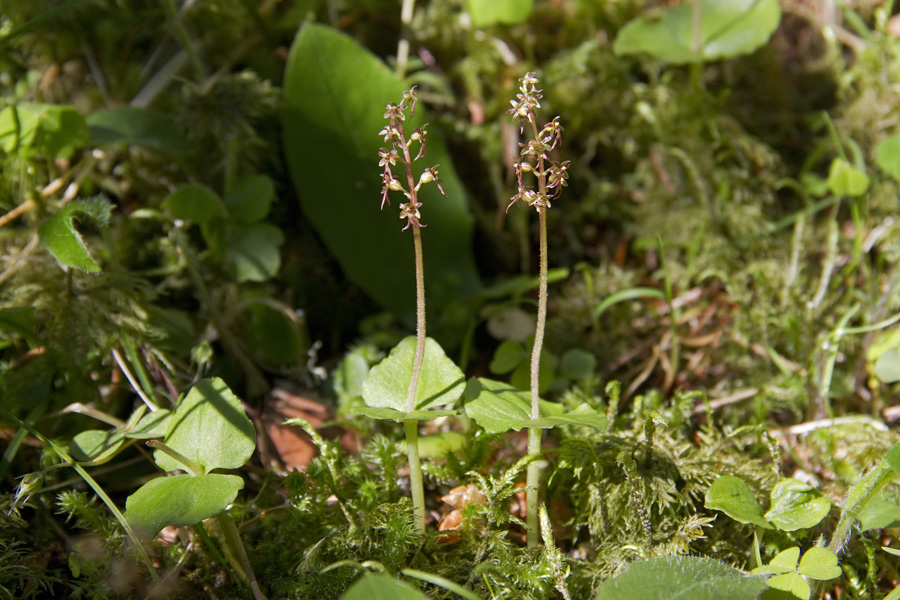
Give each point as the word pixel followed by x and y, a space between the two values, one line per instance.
pixel 440 381
pixel 210 428
pixel 382 587
pixel 180 500
pixel 846 180
pixel 507 357
pixel 789 583
pixel 521 375
pixel 499 407
pixel 796 505
pixel 250 199
pixel 819 563
pixel 96 445
pixel 681 578
pixel 194 202
pixel 887 367
pixel 491 12
pixel 62 240
pixel 334 94
pixel 252 252
pixel 732 496
pixel 153 425
pixel 786 559
pixel 136 126
pixel 887 156
pixel 879 513
pixel 727 29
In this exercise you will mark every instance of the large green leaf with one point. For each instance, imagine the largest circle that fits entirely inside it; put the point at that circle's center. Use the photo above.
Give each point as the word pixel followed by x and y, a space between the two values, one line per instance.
pixel 334 93
pixel 210 428
pixel 681 578
pixel 491 12
pixel 499 407
pixel 59 236
pixel 382 587
pixel 139 126
pixel 727 29
pixel 387 384
pixel 732 496
pixel 180 500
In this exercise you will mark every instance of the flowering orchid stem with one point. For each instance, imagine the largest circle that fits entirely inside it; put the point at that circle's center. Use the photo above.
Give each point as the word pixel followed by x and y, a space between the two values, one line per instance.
pixel 534 433
pixel 412 441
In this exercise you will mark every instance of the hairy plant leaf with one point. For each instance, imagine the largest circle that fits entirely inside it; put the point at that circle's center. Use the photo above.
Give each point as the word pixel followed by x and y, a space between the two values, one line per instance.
pixel 62 240
pixel 387 384
pixel 136 126
pixel 250 199
pixel 795 505
pixel 491 12
pixel 681 578
pixel 732 496
pixel 499 407
pixel 887 367
pixel 819 563
pixel 252 252
pixel 727 29
pixel 194 202
pixel 334 94
pixel 382 587
pixel 846 180
pixel 180 500
pixel 893 458
pixel 210 428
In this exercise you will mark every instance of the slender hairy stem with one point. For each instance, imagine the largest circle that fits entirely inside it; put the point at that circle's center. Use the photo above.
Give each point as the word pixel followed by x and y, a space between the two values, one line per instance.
pixel 417 489
pixel 533 477
pixel 420 320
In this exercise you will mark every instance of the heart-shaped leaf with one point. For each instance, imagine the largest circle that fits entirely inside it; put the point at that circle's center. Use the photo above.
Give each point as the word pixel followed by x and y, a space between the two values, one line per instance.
pixel 382 587
pixel 194 202
pixel 387 384
pixel 210 428
pixel 791 584
pixel 180 500
pixel 887 367
pixel 819 563
pixel 681 578
pixel 732 496
pixel 252 252
pixel 727 29
pixel 796 505
pixel 499 407
pixel 251 198
pixel 846 180
pixel 783 562
pixel 62 240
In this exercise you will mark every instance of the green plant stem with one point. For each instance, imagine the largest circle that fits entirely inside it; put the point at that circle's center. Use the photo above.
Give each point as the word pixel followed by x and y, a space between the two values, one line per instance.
pixel 233 539
pixel 534 433
pixel 406 15
pixel 129 532
pixel 857 497
pixel 412 442
pixel 416 488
